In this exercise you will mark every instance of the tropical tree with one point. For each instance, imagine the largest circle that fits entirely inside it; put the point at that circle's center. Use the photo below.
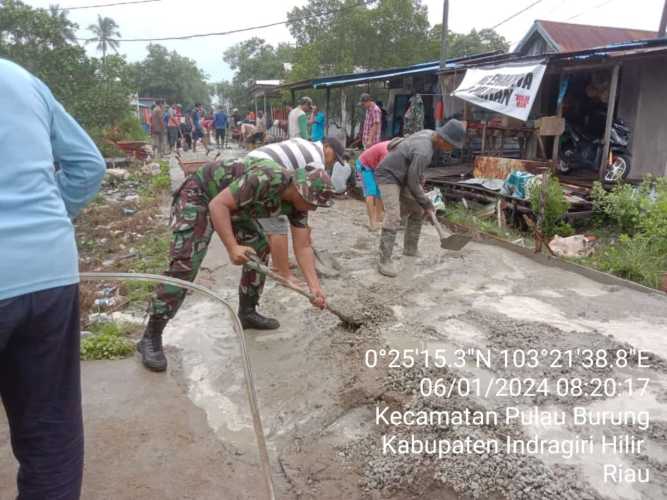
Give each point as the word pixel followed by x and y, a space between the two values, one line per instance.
pixel 252 59
pixel 171 76
pixel 106 35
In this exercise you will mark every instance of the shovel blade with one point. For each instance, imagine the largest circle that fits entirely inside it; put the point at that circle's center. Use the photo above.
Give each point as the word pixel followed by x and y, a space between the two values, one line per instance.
pixel 455 242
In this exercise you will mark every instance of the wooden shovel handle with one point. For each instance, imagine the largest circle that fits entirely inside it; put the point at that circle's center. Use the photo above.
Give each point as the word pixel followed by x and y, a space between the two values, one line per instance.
pixel 261 268
pixel 437 225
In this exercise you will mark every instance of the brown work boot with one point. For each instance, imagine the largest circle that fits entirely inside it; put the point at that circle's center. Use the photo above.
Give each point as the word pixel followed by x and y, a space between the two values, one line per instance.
pixel 385 265
pixel 150 345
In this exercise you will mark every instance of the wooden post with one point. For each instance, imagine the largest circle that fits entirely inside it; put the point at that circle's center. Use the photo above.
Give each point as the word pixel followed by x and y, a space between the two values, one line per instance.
pixel 559 112
pixel 483 150
pixel 326 111
pixel 611 107
pixel 663 22
pixel 293 97
pixel 444 40
pixel 343 112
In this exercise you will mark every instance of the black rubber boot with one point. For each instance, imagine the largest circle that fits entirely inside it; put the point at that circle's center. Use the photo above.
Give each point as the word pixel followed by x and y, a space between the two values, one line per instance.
pixel 413 230
pixel 251 319
pixel 385 265
pixel 150 345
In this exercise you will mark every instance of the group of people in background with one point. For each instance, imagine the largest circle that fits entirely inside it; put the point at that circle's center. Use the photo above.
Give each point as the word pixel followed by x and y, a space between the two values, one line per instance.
pixel 172 129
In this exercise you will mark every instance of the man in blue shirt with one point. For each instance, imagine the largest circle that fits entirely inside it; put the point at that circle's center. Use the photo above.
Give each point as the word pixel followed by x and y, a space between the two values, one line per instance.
pixel 40 381
pixel 220 124
pixel 317 123
pixel 198 129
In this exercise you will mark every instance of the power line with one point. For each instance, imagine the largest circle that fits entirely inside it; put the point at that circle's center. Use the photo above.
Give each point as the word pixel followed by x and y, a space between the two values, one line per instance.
pixel 99 6
pixel 239 30
pixel 589 10
pixel 516 14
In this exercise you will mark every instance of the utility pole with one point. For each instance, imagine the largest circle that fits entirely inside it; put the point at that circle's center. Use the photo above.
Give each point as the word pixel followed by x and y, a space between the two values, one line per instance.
pixel 663 22
pixel 445 30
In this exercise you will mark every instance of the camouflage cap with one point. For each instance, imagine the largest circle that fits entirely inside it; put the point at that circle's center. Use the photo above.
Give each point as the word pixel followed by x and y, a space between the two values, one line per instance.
pixel 314 185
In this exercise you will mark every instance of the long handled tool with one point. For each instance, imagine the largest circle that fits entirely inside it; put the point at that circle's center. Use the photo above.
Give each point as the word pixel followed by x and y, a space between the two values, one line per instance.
pixel 454 242
pixel 258 266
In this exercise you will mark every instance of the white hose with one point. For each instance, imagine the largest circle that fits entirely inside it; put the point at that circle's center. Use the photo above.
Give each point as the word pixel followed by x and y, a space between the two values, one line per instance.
pixel 247 367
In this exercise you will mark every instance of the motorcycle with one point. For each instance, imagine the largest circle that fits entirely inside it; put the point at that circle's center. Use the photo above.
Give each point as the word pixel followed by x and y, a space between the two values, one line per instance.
pixel 581 151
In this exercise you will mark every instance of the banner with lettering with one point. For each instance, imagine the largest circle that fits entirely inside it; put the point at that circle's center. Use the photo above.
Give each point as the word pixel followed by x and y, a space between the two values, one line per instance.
pixel 509 90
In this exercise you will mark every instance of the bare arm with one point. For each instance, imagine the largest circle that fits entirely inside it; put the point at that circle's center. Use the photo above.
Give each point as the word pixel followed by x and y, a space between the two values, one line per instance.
pixel 306 260
pixel 221 209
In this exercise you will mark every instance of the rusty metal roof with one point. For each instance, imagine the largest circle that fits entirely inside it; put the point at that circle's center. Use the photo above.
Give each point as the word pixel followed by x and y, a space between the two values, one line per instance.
pixel 568 37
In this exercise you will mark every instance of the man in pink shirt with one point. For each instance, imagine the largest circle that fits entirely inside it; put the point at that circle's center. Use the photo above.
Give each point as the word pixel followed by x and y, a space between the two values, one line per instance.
pixel 372 122
pixel 366 165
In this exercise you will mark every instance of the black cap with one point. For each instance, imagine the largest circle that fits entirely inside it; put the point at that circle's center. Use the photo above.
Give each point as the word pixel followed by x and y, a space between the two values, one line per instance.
pixel 337 146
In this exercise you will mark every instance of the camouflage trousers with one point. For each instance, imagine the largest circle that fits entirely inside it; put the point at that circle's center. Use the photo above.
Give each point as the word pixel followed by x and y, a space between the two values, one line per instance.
pixel 191 234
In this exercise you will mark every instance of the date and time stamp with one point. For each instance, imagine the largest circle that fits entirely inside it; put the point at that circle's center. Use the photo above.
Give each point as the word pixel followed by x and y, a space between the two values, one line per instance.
pixel 586 424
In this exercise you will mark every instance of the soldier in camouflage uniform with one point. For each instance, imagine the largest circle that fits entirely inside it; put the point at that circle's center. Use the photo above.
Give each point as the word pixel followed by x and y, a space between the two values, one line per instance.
pixel 229 197
pixel 413 121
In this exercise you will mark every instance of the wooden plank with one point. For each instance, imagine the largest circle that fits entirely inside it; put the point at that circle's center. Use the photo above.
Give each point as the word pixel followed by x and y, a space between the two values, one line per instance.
pixel 611 108
pixel 550 125
pixel 492 167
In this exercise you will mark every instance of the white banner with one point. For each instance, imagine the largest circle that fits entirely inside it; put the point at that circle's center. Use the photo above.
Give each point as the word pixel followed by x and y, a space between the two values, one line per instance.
pixel 509 90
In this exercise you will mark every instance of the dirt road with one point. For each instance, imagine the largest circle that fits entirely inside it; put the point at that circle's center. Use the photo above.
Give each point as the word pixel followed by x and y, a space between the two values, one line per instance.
pixel 319 400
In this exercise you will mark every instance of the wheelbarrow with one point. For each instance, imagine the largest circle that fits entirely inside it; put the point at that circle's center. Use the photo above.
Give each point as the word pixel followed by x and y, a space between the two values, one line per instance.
pixel 137 150
pixel 189 167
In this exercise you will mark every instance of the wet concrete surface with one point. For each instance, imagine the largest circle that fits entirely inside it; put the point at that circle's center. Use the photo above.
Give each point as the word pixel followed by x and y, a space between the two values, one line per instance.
pixel 145 439
pixel 306 391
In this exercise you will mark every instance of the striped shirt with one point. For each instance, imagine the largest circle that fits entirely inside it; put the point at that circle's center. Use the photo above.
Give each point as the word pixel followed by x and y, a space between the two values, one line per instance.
pixel 292 154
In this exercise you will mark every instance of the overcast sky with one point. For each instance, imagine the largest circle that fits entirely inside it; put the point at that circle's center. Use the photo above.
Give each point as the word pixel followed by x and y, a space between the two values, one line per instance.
pixel 177 17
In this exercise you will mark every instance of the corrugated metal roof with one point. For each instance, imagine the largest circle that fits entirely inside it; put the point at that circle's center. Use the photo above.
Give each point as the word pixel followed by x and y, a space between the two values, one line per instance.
pixel 338 81
pixel 573 37
pixel 594 55
pixel 382 74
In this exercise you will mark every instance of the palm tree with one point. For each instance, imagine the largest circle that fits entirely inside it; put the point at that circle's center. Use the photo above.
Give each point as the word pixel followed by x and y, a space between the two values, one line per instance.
pixel 60 16
pixel 106 34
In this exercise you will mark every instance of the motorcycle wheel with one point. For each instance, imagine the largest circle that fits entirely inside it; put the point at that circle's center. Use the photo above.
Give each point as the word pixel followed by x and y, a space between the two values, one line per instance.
pixel 617 170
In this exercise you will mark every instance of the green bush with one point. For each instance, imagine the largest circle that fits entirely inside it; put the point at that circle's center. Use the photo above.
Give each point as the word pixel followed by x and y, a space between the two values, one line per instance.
pixel 107 341
pixel 640 254
pixel 555 208
pixel 127 129
pixel 653 223
pixel 622 206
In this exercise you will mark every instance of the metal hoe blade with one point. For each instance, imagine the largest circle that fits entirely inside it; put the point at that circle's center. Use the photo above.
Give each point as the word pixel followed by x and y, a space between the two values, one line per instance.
pixel 455 242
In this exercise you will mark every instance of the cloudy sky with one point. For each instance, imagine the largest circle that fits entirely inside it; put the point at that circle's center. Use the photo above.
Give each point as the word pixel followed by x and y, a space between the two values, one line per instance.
pixel 177 17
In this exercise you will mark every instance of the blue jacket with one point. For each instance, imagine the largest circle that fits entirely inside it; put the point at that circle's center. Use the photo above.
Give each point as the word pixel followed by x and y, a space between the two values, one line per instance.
pixel 220 120
pixel 37 201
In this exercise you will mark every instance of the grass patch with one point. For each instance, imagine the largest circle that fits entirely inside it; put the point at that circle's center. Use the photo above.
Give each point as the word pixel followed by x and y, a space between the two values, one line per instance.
pixel 459 214
pixel 633 220
pixel 153 258
pixel 107 341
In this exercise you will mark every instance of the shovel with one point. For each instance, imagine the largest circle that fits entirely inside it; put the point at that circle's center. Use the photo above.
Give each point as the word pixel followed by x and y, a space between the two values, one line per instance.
pixel 258 266
pixel 454 242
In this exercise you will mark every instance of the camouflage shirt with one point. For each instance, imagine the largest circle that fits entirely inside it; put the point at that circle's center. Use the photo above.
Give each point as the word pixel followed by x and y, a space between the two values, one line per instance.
pixel 256 186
